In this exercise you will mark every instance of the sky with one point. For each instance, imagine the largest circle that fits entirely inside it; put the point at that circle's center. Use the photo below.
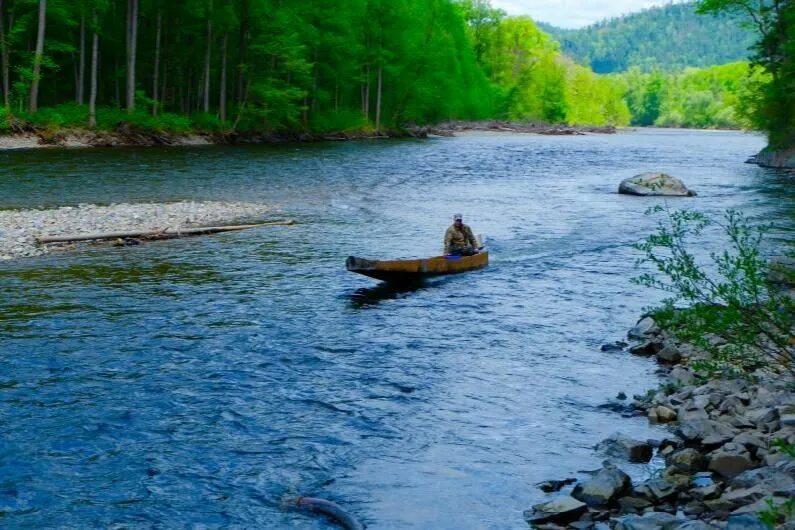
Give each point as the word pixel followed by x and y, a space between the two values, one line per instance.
pixel 573 13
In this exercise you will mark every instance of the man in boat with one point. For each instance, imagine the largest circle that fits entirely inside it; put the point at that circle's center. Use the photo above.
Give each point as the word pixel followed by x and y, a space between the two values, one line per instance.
pixel 459 240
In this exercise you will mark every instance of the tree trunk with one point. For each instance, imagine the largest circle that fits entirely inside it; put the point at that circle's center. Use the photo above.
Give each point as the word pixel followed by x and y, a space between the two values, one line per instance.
pixel 132 46
pixel 37 58
pixel 156 73
pixel 367 92
pixel 222 97
pixel 92 98
pixel 378 98
pixel 3 59
pixel 241 63
pixel 81 72
pixel 207 56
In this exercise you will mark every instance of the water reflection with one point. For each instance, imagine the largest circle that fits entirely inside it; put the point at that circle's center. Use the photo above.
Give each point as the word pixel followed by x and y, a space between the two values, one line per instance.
pixel 371 296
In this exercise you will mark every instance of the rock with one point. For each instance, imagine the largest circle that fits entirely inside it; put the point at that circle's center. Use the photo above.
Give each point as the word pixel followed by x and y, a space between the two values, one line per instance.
pixel 649 521
pixel 665 415
pixel 694 430
pixel 762 416
pixel 614 347
pixel 669 354
pixel 633 504
pixel 736 498
pixel 695 525
pixel 551 486
pixel 656 490
pixel 682 375
pixel 706 493
pixel 752 443
pixel 645 328
pixel 647 184
pixel 604 488
pixel 770 478
pixel 745 522
pixel 624 447
pixel 759 506
pixel 646 348
pixel 730 460
pixel 563 509
pixel 687 461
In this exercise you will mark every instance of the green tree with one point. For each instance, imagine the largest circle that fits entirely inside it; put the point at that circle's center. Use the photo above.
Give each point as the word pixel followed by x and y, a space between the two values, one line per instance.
pixel 774 23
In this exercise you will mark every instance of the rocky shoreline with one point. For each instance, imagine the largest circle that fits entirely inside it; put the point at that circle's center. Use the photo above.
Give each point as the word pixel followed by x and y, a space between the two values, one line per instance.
pixel 782 159
pixel 126 136
pixel 19 229
pixel 553 129
pixel 729 462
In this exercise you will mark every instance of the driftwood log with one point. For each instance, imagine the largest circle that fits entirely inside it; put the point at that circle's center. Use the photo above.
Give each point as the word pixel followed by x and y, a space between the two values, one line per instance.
pixel 330 509
pixel 157 234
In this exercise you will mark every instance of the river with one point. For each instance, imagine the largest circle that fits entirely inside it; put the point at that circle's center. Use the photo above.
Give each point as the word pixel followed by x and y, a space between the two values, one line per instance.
pixel 201 382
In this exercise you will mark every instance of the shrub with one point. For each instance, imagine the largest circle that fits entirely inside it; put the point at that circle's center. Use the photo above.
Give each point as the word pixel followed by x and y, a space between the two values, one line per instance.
pixel 728 306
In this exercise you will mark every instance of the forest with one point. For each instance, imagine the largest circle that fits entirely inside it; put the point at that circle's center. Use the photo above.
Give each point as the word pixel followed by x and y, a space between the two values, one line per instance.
pixel 321 65
pixel 670 38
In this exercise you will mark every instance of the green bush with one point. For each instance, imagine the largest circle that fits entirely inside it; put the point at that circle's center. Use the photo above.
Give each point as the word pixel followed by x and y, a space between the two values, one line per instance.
pixel 727 306
pixel 205 122
pixel 4 116
pixel 109 118
pixel 58 117
pixel 345 121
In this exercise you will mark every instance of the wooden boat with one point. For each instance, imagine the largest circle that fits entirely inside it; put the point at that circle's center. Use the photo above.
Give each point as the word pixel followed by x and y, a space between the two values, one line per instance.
pixel 413 270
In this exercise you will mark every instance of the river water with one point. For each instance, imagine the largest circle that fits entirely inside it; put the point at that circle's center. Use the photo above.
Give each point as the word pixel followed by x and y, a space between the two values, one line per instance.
pixel 201 382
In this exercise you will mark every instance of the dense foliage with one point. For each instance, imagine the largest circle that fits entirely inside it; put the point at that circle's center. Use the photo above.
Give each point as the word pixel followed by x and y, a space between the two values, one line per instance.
pixel 773 108
pixel 534 81
pixel 668 38
pixel 258 64
pixel 716 97
pixel 321 65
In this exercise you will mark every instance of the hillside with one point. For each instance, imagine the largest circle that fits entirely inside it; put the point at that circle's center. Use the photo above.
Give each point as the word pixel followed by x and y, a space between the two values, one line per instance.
pixel 670 37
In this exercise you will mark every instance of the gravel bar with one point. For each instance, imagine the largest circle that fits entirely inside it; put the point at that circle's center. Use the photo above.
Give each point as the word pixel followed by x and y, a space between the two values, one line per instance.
pixel 20 228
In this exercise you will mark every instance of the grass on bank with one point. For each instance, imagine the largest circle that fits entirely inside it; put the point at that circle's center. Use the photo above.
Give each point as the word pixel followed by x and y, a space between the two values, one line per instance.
pixel 72 116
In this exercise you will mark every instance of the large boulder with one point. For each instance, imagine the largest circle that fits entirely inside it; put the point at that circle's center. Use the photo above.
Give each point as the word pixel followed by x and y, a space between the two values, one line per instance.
pixel 560 510
pixel 645 328
pixel 687 461
pixel 622 446
pixel 730 460
pixel 655 184
pixel 604 488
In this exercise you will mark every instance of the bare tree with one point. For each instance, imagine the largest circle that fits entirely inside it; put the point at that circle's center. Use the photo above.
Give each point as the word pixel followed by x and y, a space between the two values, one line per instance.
pixel 156 74
pixel 222 97
pixel 207 57
pixel 81 72
pixel 132 46
pixel 92 98
pixel 4 58
pixel 37 58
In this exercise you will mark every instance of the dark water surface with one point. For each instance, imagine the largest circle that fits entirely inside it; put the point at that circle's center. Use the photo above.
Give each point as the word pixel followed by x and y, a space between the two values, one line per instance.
pixel 200 382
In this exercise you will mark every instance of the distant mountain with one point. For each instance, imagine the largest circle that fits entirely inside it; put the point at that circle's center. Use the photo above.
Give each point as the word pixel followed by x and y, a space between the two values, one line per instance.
pixel 670 37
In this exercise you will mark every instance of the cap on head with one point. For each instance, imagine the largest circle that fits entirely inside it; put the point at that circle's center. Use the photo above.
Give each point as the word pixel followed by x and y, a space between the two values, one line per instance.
pixel 457 217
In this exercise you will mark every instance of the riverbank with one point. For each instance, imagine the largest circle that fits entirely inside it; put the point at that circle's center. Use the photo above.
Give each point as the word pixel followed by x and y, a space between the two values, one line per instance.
pixel 729 463
pixel 19 229
pixel 125 135
pixel 781 159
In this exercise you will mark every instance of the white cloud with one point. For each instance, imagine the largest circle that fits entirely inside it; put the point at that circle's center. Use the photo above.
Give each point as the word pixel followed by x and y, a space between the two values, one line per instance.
pixel 573 13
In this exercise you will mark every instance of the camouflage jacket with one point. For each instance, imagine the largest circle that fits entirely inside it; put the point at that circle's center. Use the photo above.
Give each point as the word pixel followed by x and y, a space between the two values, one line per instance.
pixel 455 239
